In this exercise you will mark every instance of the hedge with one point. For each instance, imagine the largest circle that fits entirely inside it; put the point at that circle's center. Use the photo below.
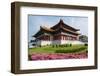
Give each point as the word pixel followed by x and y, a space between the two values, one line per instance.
pixel 71 50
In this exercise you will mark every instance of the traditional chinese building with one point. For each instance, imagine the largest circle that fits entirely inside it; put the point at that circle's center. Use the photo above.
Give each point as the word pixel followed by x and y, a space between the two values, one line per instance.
pixel 60 33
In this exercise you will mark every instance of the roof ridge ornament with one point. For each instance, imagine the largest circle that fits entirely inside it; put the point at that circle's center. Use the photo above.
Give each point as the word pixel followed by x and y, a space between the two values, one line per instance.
pixel 61 20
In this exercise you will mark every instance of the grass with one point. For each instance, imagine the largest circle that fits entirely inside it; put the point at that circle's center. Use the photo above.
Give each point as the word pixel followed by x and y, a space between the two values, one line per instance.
pixel 58 49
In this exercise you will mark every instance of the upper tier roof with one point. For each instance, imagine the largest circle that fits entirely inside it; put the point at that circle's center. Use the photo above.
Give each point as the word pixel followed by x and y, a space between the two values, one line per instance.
pixel 62 24
pixel 58 29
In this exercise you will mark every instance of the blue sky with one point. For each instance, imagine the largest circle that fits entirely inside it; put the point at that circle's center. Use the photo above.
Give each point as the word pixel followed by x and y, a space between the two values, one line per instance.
pixel 35 21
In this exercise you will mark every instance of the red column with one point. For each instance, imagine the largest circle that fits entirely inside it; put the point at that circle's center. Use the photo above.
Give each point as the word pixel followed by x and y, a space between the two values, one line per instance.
pixel 63 37
pixel 66 37
pixel 49 38
pixel 60 37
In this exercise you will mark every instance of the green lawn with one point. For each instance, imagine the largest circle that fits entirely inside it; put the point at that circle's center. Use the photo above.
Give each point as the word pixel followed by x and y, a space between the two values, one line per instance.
pixel 61 49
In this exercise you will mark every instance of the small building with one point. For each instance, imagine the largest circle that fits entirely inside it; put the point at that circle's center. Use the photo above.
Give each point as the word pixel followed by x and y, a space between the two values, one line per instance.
pixel 60 33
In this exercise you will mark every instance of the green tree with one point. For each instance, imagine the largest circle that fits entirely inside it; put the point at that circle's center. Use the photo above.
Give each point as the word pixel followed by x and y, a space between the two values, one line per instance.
pixel 83 38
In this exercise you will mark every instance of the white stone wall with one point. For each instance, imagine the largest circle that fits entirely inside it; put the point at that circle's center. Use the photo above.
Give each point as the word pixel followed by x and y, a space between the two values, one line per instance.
pixel 78 42
pixel 56 42
pixel 46 43
pixel 38 42
pixel 43 43
pixel 71 42
pixel 66 42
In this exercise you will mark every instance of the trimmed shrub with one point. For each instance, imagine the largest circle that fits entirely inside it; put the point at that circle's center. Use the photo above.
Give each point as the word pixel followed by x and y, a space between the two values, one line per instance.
pixel 40 46
pixel 53 46
pixel 66 45
pixel 85 44
pixel 70 45
pixel 56 45
pixel 50 45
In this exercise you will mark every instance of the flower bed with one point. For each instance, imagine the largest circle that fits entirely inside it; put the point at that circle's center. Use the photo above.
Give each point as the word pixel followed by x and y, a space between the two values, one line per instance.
pixel 53 56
